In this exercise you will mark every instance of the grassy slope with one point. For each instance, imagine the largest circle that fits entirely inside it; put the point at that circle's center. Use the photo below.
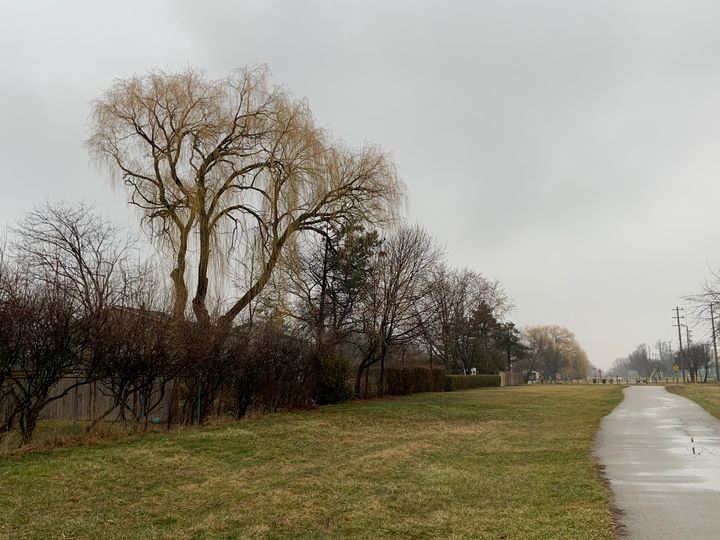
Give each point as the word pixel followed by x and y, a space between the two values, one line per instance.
pixel 705 395
pixel 489 463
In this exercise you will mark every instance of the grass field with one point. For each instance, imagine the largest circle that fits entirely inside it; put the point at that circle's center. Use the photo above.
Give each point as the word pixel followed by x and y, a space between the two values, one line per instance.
pixel 706 395
pixel 487 463
pixel 52 434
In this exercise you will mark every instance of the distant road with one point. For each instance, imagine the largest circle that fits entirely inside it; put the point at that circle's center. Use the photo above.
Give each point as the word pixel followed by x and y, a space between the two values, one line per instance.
pixel 662 458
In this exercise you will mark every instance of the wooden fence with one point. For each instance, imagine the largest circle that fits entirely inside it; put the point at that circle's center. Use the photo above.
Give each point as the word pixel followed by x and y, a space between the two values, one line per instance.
pixel 90 401
pixel 511 378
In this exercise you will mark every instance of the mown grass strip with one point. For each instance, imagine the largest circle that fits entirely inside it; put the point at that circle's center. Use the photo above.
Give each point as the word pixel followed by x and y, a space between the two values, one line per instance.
pixel 490 463
pixel 706 395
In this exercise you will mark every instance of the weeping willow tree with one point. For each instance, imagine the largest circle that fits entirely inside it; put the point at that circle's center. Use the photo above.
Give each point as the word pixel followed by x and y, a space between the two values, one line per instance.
pixel 232 168
pixel 555 352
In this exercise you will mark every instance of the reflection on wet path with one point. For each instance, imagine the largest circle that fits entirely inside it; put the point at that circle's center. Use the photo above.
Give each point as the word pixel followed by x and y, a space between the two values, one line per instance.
pixel 661 454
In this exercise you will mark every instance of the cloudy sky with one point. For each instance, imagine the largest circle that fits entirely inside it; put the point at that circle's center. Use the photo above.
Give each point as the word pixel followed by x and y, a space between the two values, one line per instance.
pixel 569 148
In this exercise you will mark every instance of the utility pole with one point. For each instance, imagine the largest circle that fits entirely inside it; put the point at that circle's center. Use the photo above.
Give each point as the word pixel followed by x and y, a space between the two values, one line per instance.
pixel 712 321
pixel 508 337
pixel 679 326
pixel 323 291
pixel 321 314
pixel 692 368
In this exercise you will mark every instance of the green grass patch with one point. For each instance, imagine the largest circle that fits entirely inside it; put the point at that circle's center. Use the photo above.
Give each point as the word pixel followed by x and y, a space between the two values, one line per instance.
pixel 706 395
pixel 491 463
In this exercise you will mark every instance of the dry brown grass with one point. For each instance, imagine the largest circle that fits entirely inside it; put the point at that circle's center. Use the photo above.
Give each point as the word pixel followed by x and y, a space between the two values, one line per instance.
pixel 489 463
pixel 706 395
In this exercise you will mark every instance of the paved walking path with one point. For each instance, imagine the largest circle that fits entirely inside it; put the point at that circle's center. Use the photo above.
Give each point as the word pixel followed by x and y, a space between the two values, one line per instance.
pixel 662 458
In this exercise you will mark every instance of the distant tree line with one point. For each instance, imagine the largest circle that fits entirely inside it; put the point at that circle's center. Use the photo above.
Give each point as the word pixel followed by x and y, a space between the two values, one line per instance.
pixel 691 357
pixel 694 362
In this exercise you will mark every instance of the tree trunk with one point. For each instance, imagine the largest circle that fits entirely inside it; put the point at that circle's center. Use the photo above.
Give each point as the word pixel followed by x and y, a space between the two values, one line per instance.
pixel 178 278
pixel 358 380
pixel 198 303
pixel 262 280
pixel 28 423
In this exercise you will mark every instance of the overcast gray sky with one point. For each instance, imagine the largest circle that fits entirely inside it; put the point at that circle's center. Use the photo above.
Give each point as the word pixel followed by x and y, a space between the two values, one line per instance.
pixel 569 148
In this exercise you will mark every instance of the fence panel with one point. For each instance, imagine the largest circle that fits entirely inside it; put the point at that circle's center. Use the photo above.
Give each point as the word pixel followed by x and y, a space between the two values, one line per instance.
pixel 88 402
pixel 511 378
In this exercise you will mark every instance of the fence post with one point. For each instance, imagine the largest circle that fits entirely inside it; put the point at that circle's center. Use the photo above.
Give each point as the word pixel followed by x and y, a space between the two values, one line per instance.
pixel 75 406
pixel 93 391
pixel 143 413
pixel 199 398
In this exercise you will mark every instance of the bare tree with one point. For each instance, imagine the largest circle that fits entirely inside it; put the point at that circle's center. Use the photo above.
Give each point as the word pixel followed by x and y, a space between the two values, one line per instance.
pixel 391 311
pixel 235 165
pixel 468 309
pixel 324 287
pixel 697 360
pixel 70 246
pixel 38 347
pixel 8 335
pixel 327 280
pixel 71 275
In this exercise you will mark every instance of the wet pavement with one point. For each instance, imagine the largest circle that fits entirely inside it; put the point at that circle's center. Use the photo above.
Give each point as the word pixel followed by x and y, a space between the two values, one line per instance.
pixel 661 454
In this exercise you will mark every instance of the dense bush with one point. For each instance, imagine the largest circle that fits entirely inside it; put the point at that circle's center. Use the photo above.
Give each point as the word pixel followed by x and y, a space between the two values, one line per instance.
pixel 332 384
pixel 463 382
pixel 269 369
pixel 402 381
pixel 202 363
pixel 39 345
pixel 130 353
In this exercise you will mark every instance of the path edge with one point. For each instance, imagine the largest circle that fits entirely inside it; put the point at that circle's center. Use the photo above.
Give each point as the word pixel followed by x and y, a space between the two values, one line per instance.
pixel 616 513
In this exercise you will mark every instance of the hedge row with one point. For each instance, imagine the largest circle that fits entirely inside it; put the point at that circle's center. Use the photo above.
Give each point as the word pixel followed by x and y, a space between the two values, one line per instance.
pixel 402 381
pixel 463 382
